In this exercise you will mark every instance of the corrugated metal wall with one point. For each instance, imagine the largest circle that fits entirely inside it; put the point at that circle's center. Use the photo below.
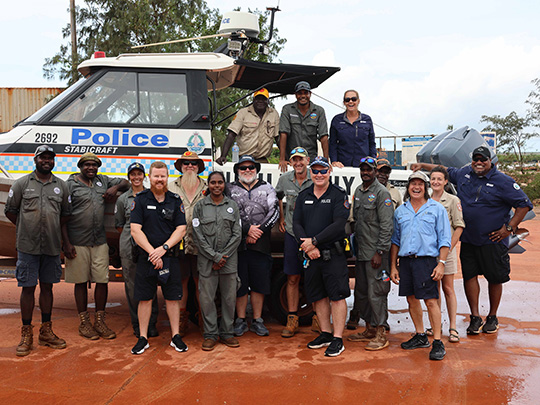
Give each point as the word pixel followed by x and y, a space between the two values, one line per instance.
pixel 17 103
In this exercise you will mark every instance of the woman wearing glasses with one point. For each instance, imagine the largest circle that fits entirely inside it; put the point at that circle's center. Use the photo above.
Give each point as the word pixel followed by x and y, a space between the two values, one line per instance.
pixel 351 134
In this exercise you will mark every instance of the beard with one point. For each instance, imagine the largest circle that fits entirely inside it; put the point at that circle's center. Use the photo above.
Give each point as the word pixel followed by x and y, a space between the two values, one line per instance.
pixel 189 180
pixel 155 190
pixel 247 178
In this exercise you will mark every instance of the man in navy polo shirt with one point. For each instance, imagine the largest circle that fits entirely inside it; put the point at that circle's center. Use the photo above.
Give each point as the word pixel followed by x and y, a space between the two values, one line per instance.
pixel 487 197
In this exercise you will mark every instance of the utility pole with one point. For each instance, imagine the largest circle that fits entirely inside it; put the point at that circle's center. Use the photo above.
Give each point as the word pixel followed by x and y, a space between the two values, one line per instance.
pixel 73 41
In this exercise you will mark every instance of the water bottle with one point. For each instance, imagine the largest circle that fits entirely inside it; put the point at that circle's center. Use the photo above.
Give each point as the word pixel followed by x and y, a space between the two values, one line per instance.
pixel 235 153
pixel 384 276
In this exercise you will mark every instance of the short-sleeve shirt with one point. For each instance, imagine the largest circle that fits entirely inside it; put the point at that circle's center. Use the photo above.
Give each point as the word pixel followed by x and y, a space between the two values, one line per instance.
pixel 39 207
pixel 289 188
pixel 158 219
pixel 303 130
pixel 87 224
pixel 122 219
pixel 395 194
pixel 453 207
pixel 486 202
pixel 255 135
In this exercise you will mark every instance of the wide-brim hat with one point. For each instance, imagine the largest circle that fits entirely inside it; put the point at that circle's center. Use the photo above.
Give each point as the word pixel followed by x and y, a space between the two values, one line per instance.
pixel 247 158
pixel 89 156
pixel 188 155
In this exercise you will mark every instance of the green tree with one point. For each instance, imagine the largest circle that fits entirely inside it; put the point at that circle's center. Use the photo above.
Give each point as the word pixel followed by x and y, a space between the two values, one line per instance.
pixel 511 132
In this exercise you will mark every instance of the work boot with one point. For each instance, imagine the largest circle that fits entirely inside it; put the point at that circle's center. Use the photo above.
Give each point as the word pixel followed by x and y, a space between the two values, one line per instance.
pixel 86 329
pixel 184 322
pixel 291 328
pixel 27 339
pixel 315 327
pixel 101 327
pixel 354 317
pixel 48 338
pixel 366 336
pixel 379 342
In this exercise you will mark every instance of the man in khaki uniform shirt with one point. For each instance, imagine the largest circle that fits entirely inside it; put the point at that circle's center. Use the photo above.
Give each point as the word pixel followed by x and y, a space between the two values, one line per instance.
pixel 255 128
pixel 383 173
pixel 190 187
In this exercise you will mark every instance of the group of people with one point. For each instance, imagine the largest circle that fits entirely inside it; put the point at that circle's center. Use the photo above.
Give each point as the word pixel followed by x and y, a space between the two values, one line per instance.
pixel 219 235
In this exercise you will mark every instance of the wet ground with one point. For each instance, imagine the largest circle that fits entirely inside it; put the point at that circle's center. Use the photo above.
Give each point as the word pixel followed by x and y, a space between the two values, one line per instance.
pixel 485 369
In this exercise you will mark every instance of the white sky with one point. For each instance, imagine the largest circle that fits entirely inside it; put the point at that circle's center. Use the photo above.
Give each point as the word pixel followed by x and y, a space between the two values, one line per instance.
pixel 418 65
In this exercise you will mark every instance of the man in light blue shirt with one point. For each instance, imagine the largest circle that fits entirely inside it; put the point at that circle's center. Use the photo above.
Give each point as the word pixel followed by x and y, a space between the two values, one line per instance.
pixel 421 240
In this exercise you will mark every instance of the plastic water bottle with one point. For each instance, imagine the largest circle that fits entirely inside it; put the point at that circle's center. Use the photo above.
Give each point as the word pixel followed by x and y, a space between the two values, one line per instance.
pixel 384 276
pixel 235 153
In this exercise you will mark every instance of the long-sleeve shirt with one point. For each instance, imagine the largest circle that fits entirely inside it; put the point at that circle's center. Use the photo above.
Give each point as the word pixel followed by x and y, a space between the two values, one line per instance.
pixel 351 141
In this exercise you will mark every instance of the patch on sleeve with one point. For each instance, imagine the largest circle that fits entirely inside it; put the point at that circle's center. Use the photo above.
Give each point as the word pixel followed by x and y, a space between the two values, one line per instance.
pixel 182 208
pixel 230 210
pixel 516 186
pixel 459 206
pixel 69 198
pixel 10 194
pixel 195 222
pixel 133 205
pixel 388 202
pixel 115 208
pixel 346 203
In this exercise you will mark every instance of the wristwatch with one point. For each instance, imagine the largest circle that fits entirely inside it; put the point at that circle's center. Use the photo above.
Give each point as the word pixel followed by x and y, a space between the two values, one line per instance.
pixel 165 246
pixel 314 241
pixel 509 228
pixel 443 262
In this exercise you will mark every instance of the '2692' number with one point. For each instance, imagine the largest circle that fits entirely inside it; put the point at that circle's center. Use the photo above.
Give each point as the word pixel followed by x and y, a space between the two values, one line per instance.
pixel 42 137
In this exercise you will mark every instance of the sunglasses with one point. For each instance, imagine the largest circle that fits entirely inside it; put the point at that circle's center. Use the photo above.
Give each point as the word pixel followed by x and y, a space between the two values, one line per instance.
pixel 479 158
pixel 188 163
pixel 321 171
pixel 243 168
pixel 367 160
pixel 298 150
pixel 347 99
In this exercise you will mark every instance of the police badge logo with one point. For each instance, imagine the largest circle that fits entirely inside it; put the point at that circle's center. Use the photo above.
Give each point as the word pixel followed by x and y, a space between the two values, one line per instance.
pixel 133 205
pixel 388 202
pixel 230 210
pixel 98 183
pixel 196 143
pixel 371 197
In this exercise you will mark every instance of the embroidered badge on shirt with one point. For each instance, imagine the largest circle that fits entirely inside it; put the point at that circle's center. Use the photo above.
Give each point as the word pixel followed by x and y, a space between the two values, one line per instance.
pixel 346 203
pixel 195 222
pixel 132 205
pixel 182 209
pixel 99 184
pixel 230 210
pixel 151 207
pixel 10 194
pixel 56 190
pixel 459 206
pixel 308 202
pixel 388 202
pixel 313 116
pixel 516 186
pixel 371 197
pixel 69 199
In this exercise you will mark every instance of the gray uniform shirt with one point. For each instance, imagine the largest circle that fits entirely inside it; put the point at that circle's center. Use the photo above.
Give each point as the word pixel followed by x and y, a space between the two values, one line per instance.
pixel 39 207
pixel 217 232
pixel 122 219
pixel 373 214
pixel 289 188
pixel 87 225
pixel 303 130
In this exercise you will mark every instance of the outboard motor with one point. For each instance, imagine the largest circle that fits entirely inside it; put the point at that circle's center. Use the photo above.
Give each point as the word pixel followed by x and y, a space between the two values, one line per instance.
pixel 424 155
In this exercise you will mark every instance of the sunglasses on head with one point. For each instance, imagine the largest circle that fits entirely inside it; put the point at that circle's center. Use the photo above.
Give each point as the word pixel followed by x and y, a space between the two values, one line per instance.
pixel 321 171
pixel 243 168
pixel 298 150
pixel 479 158
pixel 347 99
pixel 367 160
pixel 190 163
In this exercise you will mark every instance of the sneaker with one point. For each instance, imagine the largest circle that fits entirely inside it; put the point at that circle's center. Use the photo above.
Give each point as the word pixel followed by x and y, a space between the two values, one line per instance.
pixel 437 350
pixel 258 327
pixel 231 341
pixel 178 344
pixel 475 325
pixel 209 344
pixel 491 325
pixel 336 348
pixel 366 336
pixel 354 317
pixel 291 327
pixel 323 340
pixel 240 327
pixel 418 341
pixel 141 346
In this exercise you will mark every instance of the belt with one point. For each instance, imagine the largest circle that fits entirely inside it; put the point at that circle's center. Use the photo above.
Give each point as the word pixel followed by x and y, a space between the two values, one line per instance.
pixel 416 257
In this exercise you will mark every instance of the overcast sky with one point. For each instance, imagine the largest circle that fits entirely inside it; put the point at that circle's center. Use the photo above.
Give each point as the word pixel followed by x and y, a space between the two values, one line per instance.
pixel 418 65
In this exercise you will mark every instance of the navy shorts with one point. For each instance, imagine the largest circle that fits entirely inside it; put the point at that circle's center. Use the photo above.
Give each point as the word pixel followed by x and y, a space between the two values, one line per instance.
pixel 254 270
pixel 146 281
pixel 330 279
pixel 415 277
pixel 492 261
pixel 30 268
pixel 292 265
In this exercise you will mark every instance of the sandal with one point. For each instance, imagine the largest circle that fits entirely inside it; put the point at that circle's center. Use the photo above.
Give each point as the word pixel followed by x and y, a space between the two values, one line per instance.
pixel 429 332
pixel 453 336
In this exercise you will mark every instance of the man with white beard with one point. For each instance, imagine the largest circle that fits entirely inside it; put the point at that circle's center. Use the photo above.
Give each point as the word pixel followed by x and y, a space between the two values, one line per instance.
pixel 190 187
pixel 259 212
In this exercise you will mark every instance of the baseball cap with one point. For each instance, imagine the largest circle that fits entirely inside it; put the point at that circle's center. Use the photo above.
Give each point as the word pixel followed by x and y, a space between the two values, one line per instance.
pixel 368 160
pixel 321 161
pixel 42 149
pixel 298 151
pixel 135 165
pixel 302 86
pixel 261 92
pixel 89 156
pixel 419 175
pixel 383 163
pixel 483 151
pixel 247 158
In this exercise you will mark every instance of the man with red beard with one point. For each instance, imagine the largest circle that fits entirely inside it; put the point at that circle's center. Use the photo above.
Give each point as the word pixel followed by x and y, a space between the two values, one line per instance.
pixel 158 224
pixel 190 187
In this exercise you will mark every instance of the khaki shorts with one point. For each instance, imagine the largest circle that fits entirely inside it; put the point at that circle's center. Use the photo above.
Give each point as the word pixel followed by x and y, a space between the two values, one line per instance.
pixel 451 263
pixel 90 264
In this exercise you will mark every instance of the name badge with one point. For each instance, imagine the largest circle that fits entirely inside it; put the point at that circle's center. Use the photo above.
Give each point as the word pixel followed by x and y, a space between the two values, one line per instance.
pixel 151 207
pixel 308 202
